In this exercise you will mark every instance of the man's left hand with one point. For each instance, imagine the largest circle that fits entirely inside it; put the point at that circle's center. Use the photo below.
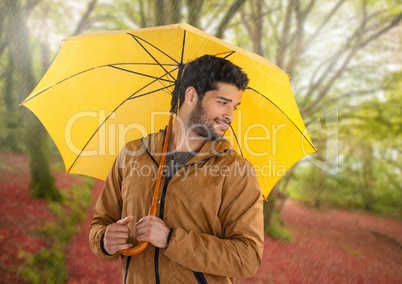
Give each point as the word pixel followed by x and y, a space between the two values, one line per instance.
pixel 153 230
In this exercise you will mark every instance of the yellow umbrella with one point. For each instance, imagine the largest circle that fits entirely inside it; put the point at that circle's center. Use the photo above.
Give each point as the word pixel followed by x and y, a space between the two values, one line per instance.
pixel 106 88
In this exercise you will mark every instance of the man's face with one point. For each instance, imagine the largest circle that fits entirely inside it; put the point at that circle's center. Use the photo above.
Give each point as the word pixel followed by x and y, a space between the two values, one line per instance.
pixel 213 115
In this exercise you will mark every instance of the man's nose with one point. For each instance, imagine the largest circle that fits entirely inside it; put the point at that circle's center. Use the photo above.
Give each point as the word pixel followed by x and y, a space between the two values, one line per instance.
pixel 228 115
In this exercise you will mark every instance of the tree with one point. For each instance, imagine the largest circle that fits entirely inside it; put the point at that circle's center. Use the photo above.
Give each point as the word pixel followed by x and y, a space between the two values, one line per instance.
pixel 21 66
pixel 327 49
pixel 27 59
pixel 376 128
pixel 140 13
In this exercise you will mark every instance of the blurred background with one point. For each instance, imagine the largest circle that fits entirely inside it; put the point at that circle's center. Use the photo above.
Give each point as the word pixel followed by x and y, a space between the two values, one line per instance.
pixel 345 59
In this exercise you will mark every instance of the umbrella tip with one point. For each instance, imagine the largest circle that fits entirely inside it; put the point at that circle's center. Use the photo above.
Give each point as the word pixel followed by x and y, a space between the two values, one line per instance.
pixel 184 25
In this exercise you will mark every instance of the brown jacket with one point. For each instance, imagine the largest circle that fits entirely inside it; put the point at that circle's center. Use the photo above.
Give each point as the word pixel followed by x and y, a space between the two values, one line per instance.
pixel 213 205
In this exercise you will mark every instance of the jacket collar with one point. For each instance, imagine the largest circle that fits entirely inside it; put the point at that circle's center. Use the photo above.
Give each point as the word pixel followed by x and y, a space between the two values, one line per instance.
pixel 153 143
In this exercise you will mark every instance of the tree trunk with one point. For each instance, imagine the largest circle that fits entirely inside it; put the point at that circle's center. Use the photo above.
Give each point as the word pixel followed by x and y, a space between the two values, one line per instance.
pixel 13 114
pixel 85 19
pixel 318 184
pixel 236 6
pixel 160 15
pixel 195 12
pixel 269 208
pixel 368 177
pixel 283 44
pixel 42 182
pixel 174 11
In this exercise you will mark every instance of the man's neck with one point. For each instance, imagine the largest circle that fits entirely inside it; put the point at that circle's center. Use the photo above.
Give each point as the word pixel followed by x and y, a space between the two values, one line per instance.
pixel 184 140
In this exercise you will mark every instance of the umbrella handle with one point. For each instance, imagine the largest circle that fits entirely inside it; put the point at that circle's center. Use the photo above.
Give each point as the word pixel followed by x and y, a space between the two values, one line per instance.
pixel 142 245
pixel 135 250
pixel 152 210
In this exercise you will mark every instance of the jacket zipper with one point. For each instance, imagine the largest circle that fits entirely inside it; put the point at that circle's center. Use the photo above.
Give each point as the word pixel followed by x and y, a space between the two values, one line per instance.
pixel 161 212
pixel 127 266
pixel 198 275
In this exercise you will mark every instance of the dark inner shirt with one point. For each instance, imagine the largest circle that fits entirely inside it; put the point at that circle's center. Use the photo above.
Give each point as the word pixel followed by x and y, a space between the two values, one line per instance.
pixel 176 160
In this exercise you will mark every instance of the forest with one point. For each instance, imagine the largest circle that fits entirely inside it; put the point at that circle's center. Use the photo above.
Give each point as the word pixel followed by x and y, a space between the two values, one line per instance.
pixel 344 58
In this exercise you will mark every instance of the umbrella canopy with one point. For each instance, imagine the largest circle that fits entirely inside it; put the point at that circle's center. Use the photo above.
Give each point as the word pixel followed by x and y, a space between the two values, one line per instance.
pixel 107 88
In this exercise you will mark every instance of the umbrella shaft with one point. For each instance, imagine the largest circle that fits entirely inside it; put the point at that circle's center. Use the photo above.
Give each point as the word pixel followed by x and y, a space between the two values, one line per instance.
pixel 152 210
pixel 176 90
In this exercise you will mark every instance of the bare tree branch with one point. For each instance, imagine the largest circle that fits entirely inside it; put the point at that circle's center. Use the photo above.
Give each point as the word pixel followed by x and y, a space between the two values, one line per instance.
pixel 174 11
pixel 273 27
pixel 142 14
pixel 356 37
pixel 228 17
pixel 359 45
pixel 397 19
pixel 195 12
pixel 83 23
pixel 325 21
pixel 284 39
pixel 298 37
pixel 30 5
pixel 246 21
pixel 359 93
pixel 160 16
pixel 254 25
pixel 215 9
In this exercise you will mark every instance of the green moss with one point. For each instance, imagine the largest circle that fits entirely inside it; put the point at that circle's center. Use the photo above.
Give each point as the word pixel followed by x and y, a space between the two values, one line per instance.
pixel 278 230
pixel 48 265
pixel 44 266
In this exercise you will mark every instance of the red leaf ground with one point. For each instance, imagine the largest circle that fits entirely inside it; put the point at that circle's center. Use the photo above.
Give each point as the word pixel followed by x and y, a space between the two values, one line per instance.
pixel 330 246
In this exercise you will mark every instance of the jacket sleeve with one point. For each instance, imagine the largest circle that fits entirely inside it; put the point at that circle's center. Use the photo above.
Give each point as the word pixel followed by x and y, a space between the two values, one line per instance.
pixel 107 211
pixel 239 252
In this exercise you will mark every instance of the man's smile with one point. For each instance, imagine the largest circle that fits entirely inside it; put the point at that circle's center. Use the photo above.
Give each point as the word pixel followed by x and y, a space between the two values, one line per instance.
pixel 222 124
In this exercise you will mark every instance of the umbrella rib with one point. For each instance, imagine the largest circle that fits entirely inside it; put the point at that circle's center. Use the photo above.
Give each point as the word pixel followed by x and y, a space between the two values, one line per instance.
pixel 144 63
pixel 230 54
pixel 141 74
pixel 158 79
pixel 150 83
pixel 65 79
pixel 237 140
pixel 149 53
pixel 301 132
pixel 157 48
pixel 151 92
pixel 93 68
pixel 182 47
pixel 104 121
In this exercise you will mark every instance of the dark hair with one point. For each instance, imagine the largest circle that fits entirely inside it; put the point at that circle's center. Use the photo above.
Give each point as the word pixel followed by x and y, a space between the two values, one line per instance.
pixel 206 71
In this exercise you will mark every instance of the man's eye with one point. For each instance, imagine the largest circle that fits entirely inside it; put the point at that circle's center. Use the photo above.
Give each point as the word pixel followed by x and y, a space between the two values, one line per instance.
pixel 235 108
pixel 221 102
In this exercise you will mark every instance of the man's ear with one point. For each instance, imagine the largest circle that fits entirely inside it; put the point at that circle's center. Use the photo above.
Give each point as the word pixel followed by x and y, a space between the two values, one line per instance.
pixel 191 96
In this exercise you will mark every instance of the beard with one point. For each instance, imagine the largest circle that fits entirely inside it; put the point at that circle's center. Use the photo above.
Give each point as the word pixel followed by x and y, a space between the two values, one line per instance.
pixel 201 126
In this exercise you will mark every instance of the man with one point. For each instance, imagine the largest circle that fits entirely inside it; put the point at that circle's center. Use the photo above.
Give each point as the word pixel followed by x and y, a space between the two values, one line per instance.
pixel 209 227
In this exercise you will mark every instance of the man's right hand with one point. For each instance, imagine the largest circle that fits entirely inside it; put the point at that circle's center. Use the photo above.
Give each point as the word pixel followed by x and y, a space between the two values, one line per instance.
pixel 116 236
